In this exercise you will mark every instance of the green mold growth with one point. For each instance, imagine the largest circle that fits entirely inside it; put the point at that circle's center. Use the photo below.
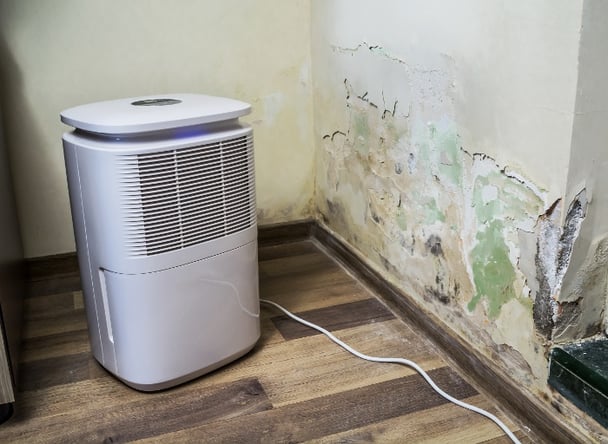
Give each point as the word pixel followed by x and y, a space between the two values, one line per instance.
pixel 485 211
pixel 401 219
pixel 493 272
pixel 439 150
pixel 511 200
pixel 424 154
pixel 501 203
pixel 433 213
pixel 393 132
pixel 447 147
pixel 450 162
pixel 360 131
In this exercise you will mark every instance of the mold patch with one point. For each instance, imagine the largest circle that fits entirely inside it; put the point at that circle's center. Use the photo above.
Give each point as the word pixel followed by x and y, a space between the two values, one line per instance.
pixel 433 245
pixel 493 271
pixel 443 223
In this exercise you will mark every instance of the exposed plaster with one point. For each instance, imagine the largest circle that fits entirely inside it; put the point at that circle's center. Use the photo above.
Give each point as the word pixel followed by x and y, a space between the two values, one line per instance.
pixel 581 305
pixel 554 250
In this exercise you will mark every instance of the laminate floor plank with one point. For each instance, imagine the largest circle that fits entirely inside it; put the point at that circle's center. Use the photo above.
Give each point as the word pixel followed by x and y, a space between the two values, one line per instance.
pixel 445 423
pixel 44 373
pixel 74 320
pixel 55 345
pixel 36 308
pixel 141 418
pixel 327 415
pixel 333 318
pixel 303 299
pixel 294 386
pixel 50 286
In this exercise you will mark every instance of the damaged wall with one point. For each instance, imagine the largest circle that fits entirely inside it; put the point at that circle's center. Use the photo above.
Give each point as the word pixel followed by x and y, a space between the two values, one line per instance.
pixel 583 299
pixel 64 53
pixel 443 143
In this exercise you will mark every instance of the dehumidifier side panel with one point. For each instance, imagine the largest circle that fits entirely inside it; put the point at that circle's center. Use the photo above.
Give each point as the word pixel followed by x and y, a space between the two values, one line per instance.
pixel 172 325
pixel 82 247
pixel 86 174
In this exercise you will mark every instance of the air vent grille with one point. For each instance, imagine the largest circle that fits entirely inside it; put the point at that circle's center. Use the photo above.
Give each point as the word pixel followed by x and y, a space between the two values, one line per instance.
pixel 178 198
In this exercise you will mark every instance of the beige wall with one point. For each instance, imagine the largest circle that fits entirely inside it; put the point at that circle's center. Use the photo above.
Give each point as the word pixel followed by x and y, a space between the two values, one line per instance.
pixel 585 285
pixel 443 134
pixel 68 52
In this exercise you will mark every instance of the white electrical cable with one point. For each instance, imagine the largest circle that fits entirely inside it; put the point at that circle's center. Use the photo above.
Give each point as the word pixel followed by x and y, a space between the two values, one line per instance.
pixel 402 361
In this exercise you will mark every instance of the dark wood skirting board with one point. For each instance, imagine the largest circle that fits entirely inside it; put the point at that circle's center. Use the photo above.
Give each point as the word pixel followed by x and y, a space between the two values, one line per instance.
pixel 284 232
pixel 538 416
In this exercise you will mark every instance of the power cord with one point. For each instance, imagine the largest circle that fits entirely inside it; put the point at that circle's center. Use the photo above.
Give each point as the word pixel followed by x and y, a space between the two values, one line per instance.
pixel 402 361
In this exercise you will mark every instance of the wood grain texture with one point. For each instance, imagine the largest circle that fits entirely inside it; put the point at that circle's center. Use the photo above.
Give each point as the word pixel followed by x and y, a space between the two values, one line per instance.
pixel 299 389
pixel 336 317
pixel 276 234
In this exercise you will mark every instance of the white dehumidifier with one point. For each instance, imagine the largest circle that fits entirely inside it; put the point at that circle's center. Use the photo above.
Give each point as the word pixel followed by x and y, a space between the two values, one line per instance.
pixel 162 192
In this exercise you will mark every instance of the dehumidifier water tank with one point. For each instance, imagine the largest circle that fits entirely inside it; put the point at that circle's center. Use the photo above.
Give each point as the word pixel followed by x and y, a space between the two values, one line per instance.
pixel 162 192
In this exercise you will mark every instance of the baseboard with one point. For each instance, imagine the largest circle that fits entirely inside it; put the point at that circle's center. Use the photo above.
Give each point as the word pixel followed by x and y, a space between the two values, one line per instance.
pixel 285 232
pixel 534 413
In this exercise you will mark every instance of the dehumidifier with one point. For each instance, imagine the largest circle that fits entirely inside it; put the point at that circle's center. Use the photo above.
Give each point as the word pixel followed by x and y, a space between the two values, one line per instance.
pixel 162 192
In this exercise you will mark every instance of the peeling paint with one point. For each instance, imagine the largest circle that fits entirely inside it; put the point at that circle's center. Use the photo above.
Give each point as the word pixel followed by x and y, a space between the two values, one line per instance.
pixel 580 308
pixel 451 227
pixel 554 250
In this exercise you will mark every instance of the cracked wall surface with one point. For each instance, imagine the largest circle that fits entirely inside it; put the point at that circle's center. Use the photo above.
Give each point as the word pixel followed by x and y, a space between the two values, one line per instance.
pixel 438 198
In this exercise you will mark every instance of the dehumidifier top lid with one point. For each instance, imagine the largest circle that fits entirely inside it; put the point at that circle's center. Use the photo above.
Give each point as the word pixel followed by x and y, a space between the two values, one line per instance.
pixel 153 113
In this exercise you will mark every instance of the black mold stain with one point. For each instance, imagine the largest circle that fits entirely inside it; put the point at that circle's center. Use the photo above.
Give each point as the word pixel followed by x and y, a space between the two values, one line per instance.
pixel 333 135
pixel 557 407
pixel 433 244
pixel 411 163
pixel 569 313
pixel 333 208
pixel 433 293
pixel 398 168
pixel 575 214
pixel 542 310
pixel 335 214
pixel 387 265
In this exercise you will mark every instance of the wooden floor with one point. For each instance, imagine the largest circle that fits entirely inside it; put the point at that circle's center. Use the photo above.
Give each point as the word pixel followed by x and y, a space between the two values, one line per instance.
pixel 294 386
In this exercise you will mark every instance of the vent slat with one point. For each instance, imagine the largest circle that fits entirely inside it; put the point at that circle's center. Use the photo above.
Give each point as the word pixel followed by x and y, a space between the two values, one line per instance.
pixel 200 213
pixel 179 198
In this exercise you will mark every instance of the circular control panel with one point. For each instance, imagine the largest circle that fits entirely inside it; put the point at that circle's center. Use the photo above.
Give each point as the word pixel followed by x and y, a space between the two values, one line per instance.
pixel 156 102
